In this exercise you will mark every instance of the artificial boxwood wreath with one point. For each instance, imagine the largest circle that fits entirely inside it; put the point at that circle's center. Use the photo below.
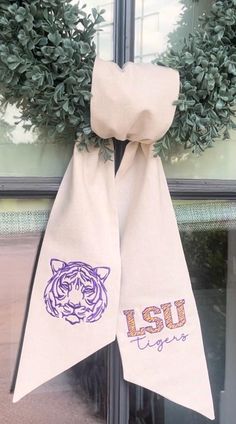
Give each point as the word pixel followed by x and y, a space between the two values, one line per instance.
pixel 47 54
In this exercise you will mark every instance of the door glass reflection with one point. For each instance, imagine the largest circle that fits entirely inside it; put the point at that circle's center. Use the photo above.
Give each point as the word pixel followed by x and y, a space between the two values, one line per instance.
pixel 164 23
pixel 104 34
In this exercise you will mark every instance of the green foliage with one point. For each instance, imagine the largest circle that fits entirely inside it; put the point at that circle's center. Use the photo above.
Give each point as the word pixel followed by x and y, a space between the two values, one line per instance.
pixel 47 55
pixel 207 67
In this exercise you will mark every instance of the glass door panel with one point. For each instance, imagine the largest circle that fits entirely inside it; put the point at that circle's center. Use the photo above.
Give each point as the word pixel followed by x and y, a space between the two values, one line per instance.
pixel 163 24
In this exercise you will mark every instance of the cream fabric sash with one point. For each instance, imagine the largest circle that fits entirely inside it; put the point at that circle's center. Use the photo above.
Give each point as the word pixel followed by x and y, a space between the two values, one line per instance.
pixel 112 264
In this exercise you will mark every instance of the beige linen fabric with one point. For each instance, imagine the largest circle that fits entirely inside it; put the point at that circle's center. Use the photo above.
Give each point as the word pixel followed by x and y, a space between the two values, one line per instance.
pixel 122 270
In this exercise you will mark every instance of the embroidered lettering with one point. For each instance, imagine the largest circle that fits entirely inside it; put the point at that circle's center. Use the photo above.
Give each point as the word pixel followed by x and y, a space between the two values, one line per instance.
pixel 153 319
pixel 133 332
pixel 166 307
pixel 143 343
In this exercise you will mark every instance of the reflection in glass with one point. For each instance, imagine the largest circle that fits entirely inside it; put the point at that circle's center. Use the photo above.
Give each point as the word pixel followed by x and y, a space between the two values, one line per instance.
pixel 104 35
pixel 208 232
pixel 79 394
pixel 155 21
pixel 164 23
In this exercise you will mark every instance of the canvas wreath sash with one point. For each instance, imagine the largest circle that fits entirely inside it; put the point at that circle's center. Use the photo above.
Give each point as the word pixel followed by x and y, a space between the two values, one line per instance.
pixel 112 264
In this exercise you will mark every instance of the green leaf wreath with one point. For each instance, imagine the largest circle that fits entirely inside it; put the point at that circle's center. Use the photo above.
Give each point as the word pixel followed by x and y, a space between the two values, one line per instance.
pixel 47 55
pixel 207 67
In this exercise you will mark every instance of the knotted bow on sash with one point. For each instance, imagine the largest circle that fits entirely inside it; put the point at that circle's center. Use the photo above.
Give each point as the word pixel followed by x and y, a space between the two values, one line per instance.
pixel 112 264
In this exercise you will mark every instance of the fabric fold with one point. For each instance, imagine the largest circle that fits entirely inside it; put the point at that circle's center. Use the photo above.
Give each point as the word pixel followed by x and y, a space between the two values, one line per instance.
pixel 112 262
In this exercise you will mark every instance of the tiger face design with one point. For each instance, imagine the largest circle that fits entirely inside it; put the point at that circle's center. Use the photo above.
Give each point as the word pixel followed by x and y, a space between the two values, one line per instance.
pixel 76 291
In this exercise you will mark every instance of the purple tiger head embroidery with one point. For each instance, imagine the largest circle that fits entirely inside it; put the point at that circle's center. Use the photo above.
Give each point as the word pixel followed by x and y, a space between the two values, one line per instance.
pixel 76 291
